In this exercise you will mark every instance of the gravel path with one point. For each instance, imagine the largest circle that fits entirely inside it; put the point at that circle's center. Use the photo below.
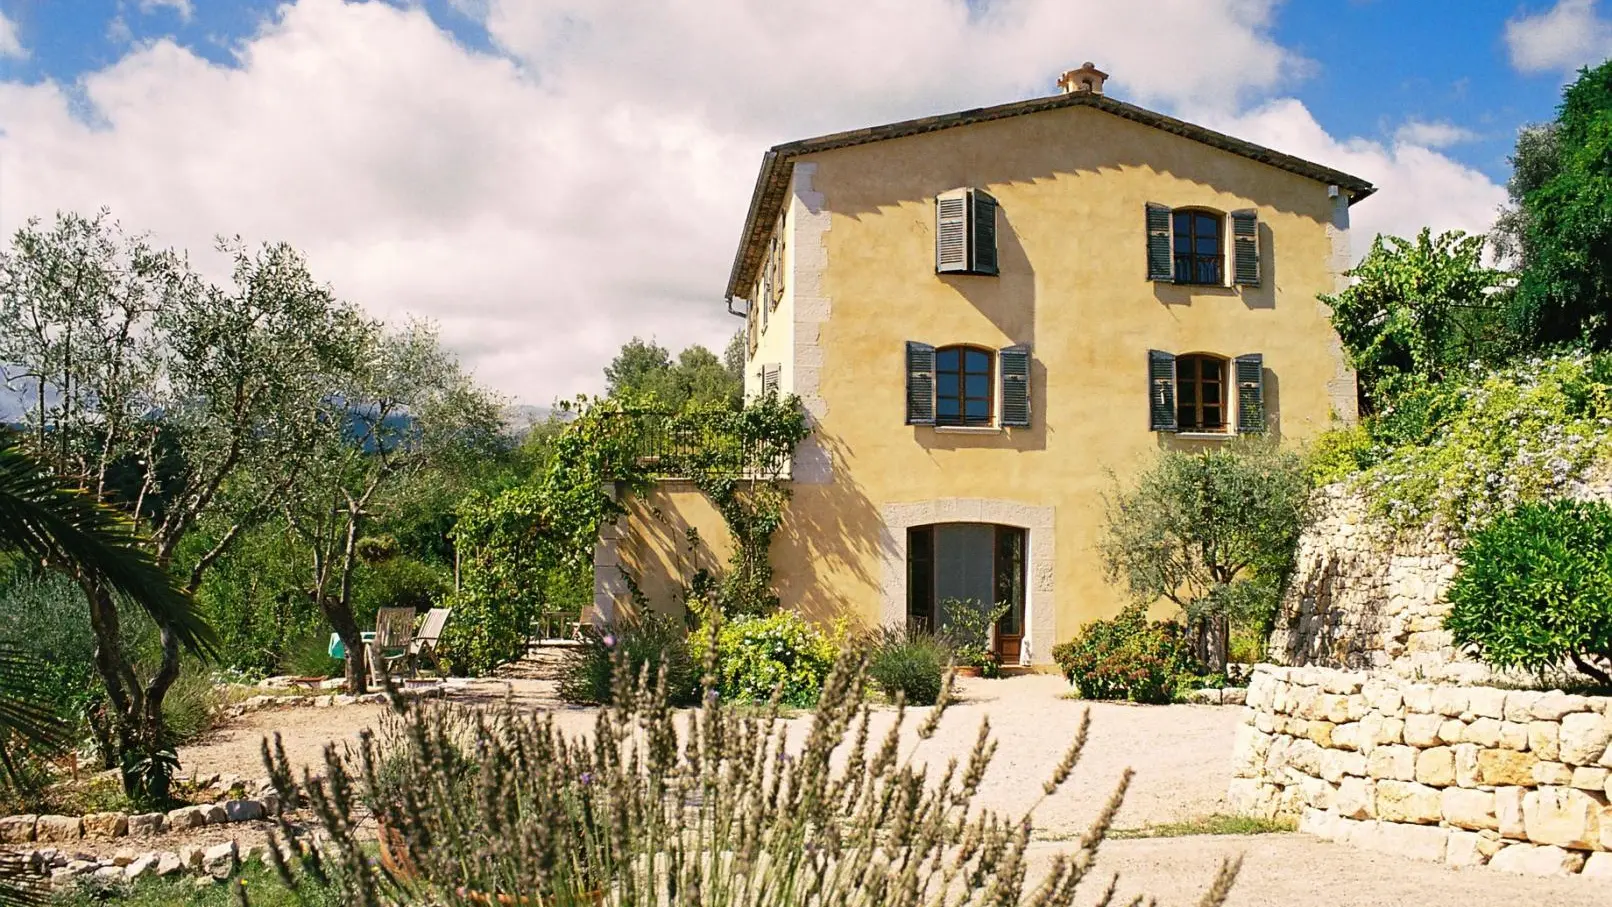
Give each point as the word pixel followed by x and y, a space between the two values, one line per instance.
pixel 1181 757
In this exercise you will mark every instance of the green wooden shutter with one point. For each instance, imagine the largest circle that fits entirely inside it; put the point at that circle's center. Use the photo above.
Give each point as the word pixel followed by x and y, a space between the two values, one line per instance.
pixel 1160 258
pixel 1014 363
pixel 1250 374
pixel 920 383
pixel 1161 390
pixel 982 233
pixel 951 232
pixel 1245 248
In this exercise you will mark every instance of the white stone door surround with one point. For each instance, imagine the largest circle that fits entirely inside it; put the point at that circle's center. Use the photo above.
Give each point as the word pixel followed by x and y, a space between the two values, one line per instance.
pixel 1040 611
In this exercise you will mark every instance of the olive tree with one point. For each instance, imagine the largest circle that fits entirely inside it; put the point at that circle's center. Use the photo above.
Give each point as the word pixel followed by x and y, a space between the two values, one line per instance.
pixel 403 408
pixel 1212 532
pixel 157 390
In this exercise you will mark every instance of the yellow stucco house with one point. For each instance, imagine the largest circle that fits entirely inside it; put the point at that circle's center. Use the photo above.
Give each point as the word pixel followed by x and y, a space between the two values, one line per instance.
pixel 983 313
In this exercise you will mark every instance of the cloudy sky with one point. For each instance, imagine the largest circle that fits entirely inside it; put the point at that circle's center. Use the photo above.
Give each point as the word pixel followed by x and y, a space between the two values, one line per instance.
pixel 547 178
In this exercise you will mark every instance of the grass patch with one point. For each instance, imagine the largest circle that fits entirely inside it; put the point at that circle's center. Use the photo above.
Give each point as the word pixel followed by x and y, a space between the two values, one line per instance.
pixel 1217 824
pixel 263 889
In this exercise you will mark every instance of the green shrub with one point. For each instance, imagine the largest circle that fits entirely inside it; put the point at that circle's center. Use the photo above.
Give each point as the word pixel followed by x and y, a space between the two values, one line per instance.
pixel 1338 454
pixel 757 655
pixel 908 663
pixel 45 616
pixel 966 626
pixel 1128 657
pixel 193 705
pixel 654 640
pixel 308 655
pixel 1534 589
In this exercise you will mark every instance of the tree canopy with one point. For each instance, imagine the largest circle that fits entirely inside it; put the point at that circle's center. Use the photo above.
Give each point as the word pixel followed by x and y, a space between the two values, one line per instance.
pixel 646 370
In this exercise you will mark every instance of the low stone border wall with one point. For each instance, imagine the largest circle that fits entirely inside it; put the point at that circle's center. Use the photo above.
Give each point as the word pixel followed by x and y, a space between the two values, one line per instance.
pixel 67 870
pixel 47 829
pixel 328 700
pixel 1518 780
pixel 1217 696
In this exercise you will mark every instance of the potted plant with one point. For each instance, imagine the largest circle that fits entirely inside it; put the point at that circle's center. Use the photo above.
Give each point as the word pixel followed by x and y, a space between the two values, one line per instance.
pixel 967 625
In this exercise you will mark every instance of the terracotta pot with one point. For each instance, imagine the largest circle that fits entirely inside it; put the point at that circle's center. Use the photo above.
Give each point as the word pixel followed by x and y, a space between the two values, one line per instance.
pixel 968 670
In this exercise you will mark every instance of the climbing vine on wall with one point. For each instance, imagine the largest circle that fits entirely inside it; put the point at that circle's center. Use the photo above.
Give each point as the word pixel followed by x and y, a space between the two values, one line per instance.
pixel 740 464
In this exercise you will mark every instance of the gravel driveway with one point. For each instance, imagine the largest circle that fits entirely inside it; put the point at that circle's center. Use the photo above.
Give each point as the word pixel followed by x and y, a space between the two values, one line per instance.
pixel 1181 756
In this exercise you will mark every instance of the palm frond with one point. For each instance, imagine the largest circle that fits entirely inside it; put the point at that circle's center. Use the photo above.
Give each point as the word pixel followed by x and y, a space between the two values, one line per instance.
pixel 23 712
pixel 59 525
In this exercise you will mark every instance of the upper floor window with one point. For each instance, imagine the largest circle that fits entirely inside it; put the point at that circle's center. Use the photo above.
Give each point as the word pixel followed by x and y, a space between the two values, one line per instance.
pixel 965 232
pixel 1199 257
pixel 1188 245
pixel 963 387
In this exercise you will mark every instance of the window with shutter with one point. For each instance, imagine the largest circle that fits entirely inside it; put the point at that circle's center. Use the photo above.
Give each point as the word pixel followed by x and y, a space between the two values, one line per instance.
pixel 769 379
pixel 982 246
pixel 920 383
pixel 1015 368
pixel 1161 390
pixel 951 232
pixel 1245 248
pixel 965 232
pixel 1160 261
pixel 1250 375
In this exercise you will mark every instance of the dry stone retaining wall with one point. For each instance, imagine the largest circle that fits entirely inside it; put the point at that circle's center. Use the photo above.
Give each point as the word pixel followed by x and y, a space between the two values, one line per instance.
pixel 1365 596
pixel 1516 779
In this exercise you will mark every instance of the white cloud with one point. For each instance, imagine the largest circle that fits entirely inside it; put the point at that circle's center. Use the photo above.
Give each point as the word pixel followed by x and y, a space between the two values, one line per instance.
pixel 1432 134
pixel 10 44
pixel 1416 186
pixel 1568 35
pixel 589 181
pixel 182 7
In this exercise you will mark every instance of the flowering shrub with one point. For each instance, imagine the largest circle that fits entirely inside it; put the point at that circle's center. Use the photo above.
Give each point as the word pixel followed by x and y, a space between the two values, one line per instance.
pixel 1535 589
pixel 1129 657
pixel 759 654
pixel 1468 450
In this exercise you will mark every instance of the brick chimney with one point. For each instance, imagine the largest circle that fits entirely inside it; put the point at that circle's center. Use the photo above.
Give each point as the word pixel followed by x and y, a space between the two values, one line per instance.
pixel 1087 78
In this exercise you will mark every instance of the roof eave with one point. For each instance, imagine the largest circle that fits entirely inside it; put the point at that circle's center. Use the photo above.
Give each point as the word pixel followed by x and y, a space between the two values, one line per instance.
pixel 777 163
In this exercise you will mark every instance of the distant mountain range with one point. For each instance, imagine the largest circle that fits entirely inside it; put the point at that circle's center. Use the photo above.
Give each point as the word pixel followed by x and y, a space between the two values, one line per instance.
pixel 20 396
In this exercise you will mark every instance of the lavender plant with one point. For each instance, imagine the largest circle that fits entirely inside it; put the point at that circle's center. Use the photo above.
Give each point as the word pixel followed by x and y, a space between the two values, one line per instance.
pixel 709 807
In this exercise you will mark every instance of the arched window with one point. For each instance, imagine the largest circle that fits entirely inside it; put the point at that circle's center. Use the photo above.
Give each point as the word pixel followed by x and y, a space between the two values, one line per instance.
pixel 1200 393
pixel 963 385
pixel 1199 255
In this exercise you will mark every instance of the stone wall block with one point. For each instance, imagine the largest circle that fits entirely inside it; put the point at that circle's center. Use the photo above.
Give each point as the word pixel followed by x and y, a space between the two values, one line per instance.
pixel 1466 764
pixel 1508 810
pixel 1584 738
pixel 1506 767
pixel 104 826
pixel 1599 865
pixel 1484 732
pixel 1419 699
pixel 1564 817
pixel 1346 736
pixel 1555 705
pixel 1520 705
pixel 1532 859
pixel 18 829
pixel 58 829
pixel 1451 701
pixel 1555 773
pixel 1590 778
pixel 1543 738
pixel 1514 735
pixel 1419 842
pixel 1421 729
pixel 1396 763
pixel 1487 702
pixel 1469 809
pixel 1452 731
pixel 1463 851
pixel 1400 801
pixel 1435 766
pixel 1356 798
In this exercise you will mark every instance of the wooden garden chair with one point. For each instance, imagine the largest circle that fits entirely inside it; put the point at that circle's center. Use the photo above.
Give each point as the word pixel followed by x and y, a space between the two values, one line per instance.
pixel 394 631
pixel 425 642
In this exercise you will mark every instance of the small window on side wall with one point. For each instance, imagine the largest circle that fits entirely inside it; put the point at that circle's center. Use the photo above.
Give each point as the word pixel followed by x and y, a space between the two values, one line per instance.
pixel 963 386
pixel 965 232
pixel 1195 393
